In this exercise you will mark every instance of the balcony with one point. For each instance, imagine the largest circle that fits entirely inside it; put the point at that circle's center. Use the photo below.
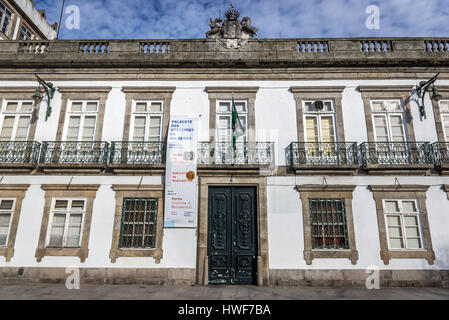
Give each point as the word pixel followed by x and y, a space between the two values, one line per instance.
pixel 396 155
pixel 142 157
pixel 63 157
pixel 440 152
pixel 246 156
pixel 18 155
pixel 323 157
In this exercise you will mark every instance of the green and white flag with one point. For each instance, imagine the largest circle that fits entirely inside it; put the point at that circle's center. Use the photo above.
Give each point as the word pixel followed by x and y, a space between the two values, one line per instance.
pixel 237 128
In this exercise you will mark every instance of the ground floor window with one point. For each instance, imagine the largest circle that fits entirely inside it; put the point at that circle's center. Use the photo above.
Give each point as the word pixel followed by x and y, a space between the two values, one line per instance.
pixel 138 227
pixel 403 226
pixel 6 211
pixel 67 221
pixel 328 222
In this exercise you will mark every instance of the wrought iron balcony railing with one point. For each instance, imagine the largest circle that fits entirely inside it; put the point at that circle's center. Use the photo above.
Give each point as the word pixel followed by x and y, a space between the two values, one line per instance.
pixel 127 152
pixel 76 152
pixel 441 153
pixel 323 153
pixel 392 153
pixel 219 153
pixel 19 151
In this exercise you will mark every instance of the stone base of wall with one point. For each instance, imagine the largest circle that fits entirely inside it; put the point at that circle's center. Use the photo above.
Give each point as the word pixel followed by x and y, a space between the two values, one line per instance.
pixel 357 278
pixel 117 276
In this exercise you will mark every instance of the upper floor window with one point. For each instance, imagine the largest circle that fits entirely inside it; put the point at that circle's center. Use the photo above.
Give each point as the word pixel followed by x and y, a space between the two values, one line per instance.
pixel 388 121
pixel 444 111
pixel 224 120
pixel 403 225
pixel 66 218
pixel 81 121
pixel 25 34
pixel 320 124
pixel 146 121
pixel 15 120
pixel 6 211
pixel 5 18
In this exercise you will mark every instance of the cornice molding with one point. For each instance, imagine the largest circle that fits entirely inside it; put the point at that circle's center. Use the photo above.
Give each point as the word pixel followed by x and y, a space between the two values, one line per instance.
pixel 232 89
pixel 149 89
pixel 136 188
pixel 325 188
pixel 398 188
pixel 318 89
pixel 18 187
pixel 72 187
pixel 30 90
pixel 406 89
pixel 84 89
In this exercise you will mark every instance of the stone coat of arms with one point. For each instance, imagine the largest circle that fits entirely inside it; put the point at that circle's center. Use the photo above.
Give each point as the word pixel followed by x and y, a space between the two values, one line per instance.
pixel 231 33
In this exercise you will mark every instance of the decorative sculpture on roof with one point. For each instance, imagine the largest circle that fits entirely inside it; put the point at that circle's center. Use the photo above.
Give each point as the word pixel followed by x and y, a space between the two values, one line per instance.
pixel 232 33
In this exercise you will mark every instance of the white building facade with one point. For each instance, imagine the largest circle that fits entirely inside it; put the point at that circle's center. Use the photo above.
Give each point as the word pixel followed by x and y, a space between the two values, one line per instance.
pixel 337 173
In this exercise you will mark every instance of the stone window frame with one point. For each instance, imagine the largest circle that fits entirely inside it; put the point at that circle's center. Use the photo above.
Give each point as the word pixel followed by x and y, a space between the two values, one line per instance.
pixel 401 93
pixel 18 192
pixel 139 191
pixel 247 94
pixel 345 192
pixel 334 93
pixel 443 90
pixel 164 94
pixel 403 192
pixel 99 94
pixel 22 93
pixel 87 191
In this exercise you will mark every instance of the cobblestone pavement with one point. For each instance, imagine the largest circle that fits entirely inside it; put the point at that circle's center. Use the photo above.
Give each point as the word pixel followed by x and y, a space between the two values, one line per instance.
pixel 132 292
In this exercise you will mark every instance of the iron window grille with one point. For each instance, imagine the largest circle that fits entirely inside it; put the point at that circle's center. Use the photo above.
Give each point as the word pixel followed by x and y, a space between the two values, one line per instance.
pixel 328 224
pixel 138 226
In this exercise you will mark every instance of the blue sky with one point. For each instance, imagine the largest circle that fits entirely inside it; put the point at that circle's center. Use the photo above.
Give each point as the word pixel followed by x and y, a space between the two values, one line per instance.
pixel 168 19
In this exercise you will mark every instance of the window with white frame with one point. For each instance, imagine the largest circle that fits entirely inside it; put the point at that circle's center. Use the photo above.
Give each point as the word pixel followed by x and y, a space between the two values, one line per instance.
pixel 224 120
pixel 403 224
pixel 388 121
pixel 444 111
pixel 66 222
pixel 25 34
pixel 15 120
pixel 320 125
pixel 5 18
pixel 81 121
pixel 6 211
pixel 147 119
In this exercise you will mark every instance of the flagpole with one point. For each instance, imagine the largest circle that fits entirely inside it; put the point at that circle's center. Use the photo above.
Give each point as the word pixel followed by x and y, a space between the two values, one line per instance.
pixel 60 19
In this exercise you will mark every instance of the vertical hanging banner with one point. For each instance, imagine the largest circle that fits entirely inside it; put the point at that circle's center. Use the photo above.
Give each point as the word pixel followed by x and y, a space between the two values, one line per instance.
pixel 180 173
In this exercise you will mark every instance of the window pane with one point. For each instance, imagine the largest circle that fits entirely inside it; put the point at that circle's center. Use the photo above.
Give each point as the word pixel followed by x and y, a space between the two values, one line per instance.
pixel 57 231
pixel 224 107
pixel 381 128
pixel 311 129
pixel 139 128
pixel 394 221
pixel 89 128
pixel 414 244
pixel 61 204
pixel 27 107
pixel 78 204
pixel 7 126
pixel 74 231
pixel 412 232
pixel 444 106
pixel 396 243
pixel 391 206
pixel 327 129
pixel 156 107
pixel 377 106
pixel 91 106
pixel 240 107
pixel 393 106
pixel 77 106
pixel 309 107
pixel 73 129
pixel 408 206
pixel 155 126
pixel 22 128
pixel 411 221
pixel 141 107
pixel 4 228
pixel 6 204
pixel 11 106
pixel 328 106
pixel 395 232
pixel 224 128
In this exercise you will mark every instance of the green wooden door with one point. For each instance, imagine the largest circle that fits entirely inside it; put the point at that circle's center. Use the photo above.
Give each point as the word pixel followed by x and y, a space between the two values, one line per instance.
pixel 232 235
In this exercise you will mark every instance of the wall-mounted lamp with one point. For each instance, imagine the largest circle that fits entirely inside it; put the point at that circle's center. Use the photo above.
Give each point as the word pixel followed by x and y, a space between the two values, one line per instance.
pixel 422 88
pixel 49 90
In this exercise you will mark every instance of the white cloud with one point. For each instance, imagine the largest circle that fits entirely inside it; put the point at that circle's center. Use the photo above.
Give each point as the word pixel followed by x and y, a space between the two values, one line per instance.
pixel 276 19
